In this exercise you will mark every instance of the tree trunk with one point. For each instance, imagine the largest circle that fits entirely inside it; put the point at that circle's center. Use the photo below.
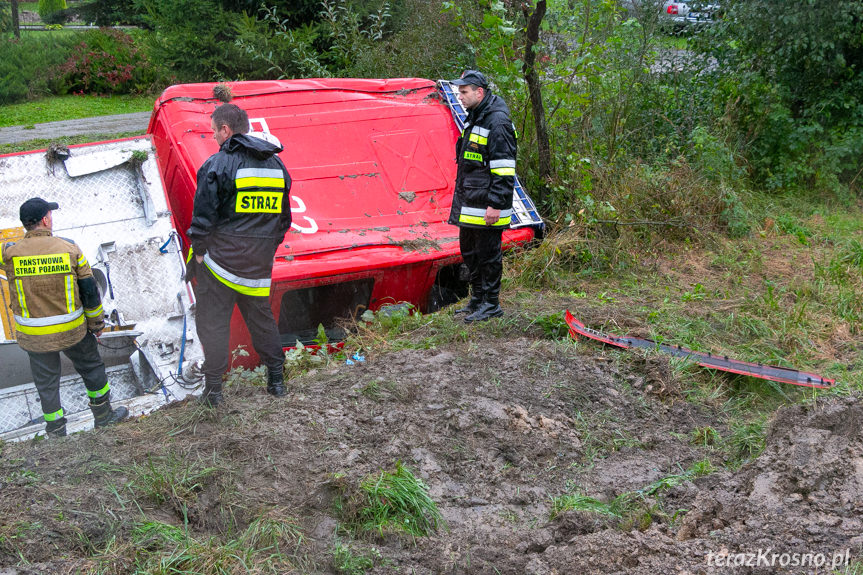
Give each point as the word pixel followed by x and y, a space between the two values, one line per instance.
pixel 16 23
pixel 531 77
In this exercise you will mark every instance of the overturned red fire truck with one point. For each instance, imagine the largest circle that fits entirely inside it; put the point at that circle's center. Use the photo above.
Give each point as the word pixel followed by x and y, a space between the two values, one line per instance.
pixel 373 170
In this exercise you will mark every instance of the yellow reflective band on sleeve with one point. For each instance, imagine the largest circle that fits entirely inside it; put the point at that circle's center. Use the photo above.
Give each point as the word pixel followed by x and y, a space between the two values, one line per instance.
pixel 96 312
pixel 258 202
pixel 53 416
pixel 473 220
pixel 70 294
pixel 481 140
pixel 41 265
pixel 49 329
pixel 99 393
pixel 189 257
pixel 22 301
pixel 503 171
pixel 473 156
pixel 82 261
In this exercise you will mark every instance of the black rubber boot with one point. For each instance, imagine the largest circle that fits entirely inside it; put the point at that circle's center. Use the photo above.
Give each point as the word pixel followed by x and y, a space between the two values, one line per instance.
pixel 471 306
pixel 212 396
pixel 56 428
pixel 276 381
pixel 104 414
pixel 485 312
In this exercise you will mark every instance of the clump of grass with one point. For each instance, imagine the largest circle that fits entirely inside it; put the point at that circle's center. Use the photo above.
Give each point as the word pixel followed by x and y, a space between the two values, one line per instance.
pixel 270 544
pixel 170 478
pixel 394 501
pixel 746 442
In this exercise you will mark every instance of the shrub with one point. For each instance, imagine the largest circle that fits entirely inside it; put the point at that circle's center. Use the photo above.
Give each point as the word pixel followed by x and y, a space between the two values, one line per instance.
pixel 5 16
pixel 105 62
pixel 48 7
pixel 25 64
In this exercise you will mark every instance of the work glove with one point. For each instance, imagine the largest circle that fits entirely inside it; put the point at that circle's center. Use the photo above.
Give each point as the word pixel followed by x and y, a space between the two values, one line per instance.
pixel 191 269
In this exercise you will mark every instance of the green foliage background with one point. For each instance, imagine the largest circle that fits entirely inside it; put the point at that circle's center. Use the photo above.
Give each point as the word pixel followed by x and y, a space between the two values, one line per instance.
pixel 646 122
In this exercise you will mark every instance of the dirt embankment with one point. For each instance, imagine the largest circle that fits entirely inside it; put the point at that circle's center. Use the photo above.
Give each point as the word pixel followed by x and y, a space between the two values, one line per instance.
pixel 497 426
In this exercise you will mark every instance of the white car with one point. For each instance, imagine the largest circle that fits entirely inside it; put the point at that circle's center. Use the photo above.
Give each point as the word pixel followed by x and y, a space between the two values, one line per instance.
pixel 684 13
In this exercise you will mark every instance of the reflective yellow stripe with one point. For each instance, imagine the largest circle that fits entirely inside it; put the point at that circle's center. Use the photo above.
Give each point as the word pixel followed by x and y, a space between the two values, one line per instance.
pixel 481 140
pixel 473 156
pixel 255 182
pixel 100 393
pixel 189 257
pixel 503 171
pixel 54 416
pixel 96 312
pixel 246 290
pixel 70 295
pixel 22 302
pixel 48 329
pixel 82 261
pixel 480 221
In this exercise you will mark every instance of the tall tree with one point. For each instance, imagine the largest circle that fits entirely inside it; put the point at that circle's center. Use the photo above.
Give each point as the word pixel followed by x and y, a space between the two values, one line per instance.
pixel 534 16
pixel 16 23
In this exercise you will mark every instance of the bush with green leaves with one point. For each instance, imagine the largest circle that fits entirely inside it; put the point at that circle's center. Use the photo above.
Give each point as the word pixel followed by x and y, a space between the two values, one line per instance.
pixel 5 16
pixel 106 61
pixel 47 8
pixel 196 40
pixel 791 74
pixel 26 64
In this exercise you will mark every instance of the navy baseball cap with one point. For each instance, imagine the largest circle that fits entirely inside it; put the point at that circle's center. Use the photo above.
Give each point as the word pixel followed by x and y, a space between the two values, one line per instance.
pixel 35 209
pixel 473 78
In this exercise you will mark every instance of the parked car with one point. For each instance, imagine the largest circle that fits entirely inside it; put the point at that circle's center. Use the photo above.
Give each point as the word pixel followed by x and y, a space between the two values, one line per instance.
pixel 675 15
pixel 687 13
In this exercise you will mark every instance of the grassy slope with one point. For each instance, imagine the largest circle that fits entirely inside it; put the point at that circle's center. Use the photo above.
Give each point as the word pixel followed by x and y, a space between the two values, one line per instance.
pixel 787 294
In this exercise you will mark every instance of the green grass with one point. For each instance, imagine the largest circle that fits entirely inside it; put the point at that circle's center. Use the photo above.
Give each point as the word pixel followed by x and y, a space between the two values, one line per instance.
pixel 73 107
pixel 270 544
pixel 170 478
pixel 396 502
pixel 42 144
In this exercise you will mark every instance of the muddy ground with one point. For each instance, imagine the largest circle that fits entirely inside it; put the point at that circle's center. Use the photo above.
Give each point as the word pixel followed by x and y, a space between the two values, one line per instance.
pixel 496 422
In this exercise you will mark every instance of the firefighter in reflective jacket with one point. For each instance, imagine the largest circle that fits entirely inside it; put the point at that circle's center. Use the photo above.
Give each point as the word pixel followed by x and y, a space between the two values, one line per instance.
pixel 482 204
pixel 241 214
pixel 57 308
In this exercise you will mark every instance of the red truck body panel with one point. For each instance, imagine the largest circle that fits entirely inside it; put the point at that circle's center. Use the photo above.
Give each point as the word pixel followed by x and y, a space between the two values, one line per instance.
pixel 373 170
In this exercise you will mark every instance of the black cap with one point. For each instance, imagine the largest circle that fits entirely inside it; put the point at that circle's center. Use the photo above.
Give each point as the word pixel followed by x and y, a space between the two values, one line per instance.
pixel 471 77
pixel 35 209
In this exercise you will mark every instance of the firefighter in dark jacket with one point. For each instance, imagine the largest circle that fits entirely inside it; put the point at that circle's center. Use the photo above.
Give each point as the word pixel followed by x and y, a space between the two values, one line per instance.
pixel 482 204
pixel 56 305
pixel 241 214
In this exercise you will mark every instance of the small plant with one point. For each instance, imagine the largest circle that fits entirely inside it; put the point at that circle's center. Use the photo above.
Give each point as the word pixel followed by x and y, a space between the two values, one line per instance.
pixel 347 562
pixel 705 436
pixel 553 326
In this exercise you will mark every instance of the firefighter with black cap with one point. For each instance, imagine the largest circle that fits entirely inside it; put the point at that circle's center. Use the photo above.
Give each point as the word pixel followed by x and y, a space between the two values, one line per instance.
pixel 57 307
pixel 482 204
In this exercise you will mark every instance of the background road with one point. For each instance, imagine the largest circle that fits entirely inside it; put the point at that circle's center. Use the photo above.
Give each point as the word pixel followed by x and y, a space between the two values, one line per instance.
pixel 121 123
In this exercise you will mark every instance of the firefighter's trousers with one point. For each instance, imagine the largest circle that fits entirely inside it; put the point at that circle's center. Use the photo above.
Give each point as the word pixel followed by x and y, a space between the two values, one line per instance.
pixel 214 308
pixel 481 251
pixel 88 363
